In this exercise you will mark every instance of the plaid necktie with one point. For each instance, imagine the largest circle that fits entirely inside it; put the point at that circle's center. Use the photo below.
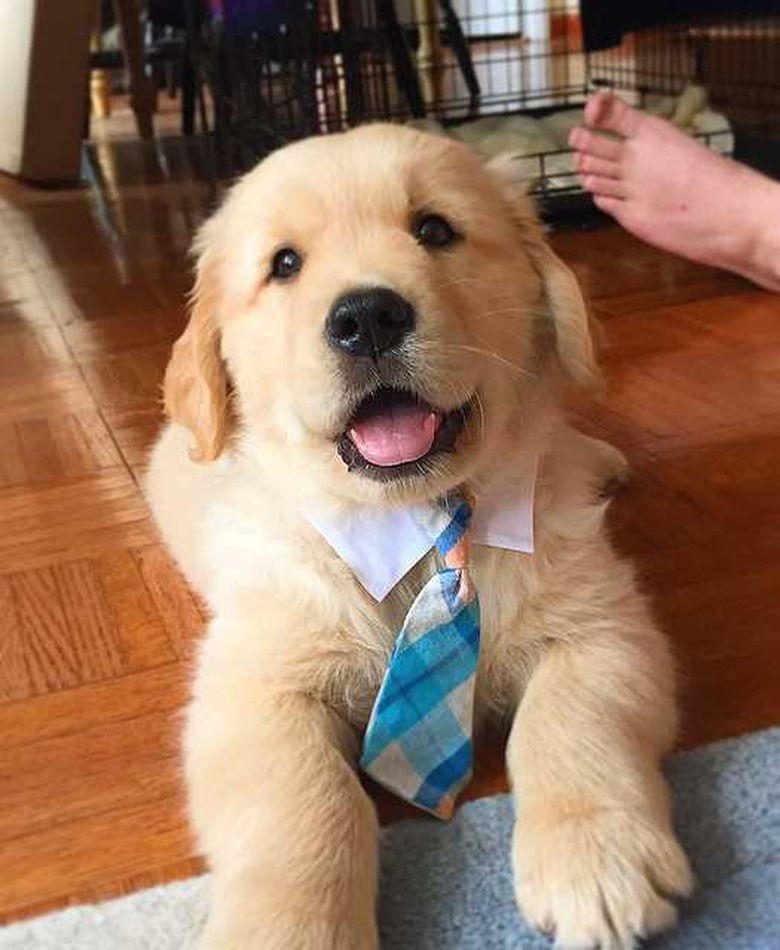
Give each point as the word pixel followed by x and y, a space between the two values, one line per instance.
pixel 418 739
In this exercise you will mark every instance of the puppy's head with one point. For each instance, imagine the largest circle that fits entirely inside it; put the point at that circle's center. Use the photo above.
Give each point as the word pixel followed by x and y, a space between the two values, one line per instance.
pixel 383 308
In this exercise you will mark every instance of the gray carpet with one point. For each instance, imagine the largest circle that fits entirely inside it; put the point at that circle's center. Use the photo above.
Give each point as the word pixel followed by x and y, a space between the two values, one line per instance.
pixel 448 887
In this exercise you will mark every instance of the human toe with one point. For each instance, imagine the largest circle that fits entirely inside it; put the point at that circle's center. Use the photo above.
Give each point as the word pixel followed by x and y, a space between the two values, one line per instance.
pixel 591 143
pixel 607 112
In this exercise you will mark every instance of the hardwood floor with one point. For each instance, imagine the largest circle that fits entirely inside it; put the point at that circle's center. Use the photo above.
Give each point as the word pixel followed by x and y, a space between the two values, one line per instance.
pixel 97 628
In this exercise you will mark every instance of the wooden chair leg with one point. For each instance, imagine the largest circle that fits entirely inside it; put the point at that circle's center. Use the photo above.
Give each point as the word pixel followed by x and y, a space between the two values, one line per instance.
pixel 143 94
pixel 98 81
pixel 188 93
pixel 429 53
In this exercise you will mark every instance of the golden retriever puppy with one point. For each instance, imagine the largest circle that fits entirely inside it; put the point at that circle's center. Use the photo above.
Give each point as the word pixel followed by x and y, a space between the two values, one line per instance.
pixel 347 283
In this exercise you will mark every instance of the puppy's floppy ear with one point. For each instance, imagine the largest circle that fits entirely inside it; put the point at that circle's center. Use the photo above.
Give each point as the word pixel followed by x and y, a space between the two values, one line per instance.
pixel 570 321
pixel 195 386
pixel 570 318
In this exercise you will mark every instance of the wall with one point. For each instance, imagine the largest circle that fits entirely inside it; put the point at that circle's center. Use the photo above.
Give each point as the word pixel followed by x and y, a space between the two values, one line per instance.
pixel 44 51
pixel 16 30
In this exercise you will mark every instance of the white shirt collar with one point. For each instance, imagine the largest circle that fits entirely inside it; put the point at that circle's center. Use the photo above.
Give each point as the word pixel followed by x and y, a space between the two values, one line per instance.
pixel 382 544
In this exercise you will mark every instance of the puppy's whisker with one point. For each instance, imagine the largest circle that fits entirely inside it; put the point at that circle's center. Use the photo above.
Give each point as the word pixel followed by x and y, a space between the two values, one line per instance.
pixel 525 313
pixel 492 355
pixel 481 411
pixel 459 280
pixel 457 399
pixel 521 312
pixel 510 334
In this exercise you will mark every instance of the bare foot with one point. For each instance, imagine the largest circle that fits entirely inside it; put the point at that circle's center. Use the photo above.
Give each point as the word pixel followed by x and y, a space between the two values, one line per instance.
pixel 671 191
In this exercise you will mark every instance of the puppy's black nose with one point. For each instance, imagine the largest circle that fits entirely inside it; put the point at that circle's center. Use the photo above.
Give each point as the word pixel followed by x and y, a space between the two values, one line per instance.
pixel 369 322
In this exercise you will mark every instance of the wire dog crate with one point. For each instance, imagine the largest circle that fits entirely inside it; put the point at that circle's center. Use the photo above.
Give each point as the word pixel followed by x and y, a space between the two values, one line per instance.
pixel 279 70
pixel 735 59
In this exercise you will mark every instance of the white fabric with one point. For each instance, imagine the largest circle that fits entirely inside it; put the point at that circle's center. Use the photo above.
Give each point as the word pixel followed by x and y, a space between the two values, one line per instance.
pixel 382 544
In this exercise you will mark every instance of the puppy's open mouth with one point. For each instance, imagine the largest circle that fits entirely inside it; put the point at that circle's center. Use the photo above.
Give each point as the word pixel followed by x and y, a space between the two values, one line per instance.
pixel 393 432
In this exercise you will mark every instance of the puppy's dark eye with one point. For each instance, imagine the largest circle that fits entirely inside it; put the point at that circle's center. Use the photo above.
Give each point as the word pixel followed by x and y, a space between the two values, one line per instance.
pixel 431 230
pixel 286 263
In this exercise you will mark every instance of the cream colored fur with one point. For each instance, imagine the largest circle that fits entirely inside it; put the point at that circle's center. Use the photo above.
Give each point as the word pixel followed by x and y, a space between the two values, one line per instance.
pixel 296 650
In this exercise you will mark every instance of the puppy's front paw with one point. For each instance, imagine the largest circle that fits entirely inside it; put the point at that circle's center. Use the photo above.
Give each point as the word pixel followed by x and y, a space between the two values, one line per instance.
pixel 598 881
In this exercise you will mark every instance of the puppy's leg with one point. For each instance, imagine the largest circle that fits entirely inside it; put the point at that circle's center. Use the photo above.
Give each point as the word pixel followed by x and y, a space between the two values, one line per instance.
pixel 289 832
pixel 595 857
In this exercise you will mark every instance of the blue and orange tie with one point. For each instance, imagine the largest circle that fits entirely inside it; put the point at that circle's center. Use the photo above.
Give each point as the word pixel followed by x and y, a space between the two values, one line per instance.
pixel 418 741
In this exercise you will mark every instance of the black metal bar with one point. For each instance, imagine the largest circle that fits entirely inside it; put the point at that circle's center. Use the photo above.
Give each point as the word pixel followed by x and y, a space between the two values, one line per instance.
pixel 403 63
pixel 460 47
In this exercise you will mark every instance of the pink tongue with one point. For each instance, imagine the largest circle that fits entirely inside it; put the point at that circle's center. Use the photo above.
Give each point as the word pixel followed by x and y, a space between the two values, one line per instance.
pixel 395 436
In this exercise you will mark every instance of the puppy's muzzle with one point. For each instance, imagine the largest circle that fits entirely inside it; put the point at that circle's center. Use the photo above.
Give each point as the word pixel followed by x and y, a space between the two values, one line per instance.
pixel 369 322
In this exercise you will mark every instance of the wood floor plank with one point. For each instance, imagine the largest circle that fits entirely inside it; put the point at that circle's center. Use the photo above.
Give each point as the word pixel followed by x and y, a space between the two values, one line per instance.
pixel 21 299
pixel 25 348
pixel 115 334
pixel 134 432
pixel 181 613
pixel 664 294
pixel 751 318
pixel 72 858
pixel 13 469
pixel 55 447
pixel 52 662
pixel 67 636
pixel 92 292
pixel 89 782
pixel 79 518
pixel 97 645
pixel 38 449
pixel 15 679
pixel 140 625
pixel 126 382
pixel 158 690
pixel 84 444
pixel 46 392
